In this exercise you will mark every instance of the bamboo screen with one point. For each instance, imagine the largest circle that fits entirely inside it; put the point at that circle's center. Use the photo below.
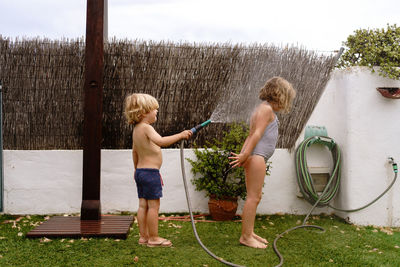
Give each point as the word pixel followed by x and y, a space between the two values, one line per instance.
pixel 43 87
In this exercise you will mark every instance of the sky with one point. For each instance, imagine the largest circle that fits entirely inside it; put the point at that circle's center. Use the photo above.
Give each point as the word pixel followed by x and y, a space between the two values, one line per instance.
pixel 320 25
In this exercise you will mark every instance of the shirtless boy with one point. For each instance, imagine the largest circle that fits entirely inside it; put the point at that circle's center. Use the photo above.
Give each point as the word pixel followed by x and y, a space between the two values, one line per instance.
pixel 141 111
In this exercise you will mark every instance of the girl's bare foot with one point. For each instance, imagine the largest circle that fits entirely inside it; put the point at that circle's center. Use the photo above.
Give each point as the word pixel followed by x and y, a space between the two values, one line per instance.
pixel 260 239
pixel 252 242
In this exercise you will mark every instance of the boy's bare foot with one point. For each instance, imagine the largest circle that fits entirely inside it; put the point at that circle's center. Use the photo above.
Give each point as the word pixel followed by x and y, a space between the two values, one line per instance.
pixel 252 242
pixel 161 242
pixel 259 238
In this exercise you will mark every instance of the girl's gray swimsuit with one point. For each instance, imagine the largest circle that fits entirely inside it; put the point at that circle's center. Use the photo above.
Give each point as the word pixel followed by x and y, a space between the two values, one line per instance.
pixel 266 145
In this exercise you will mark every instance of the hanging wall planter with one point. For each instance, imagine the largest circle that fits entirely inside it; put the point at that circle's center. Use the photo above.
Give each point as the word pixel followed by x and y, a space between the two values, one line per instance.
pixel 389 92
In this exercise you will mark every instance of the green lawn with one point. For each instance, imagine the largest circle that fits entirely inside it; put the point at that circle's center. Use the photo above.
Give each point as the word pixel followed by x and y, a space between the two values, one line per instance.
pixel 341 245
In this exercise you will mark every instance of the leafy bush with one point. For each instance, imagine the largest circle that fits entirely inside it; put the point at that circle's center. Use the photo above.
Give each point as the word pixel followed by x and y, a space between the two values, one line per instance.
pixel 216 176
pixel 374 48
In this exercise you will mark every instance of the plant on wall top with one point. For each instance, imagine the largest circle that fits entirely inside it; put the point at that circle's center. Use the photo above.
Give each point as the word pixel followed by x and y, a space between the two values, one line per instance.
pixel 374 48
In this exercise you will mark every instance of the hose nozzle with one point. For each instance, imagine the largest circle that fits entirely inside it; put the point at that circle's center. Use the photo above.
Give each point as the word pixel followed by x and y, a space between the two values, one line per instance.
pixel 394 164
pixel 200 126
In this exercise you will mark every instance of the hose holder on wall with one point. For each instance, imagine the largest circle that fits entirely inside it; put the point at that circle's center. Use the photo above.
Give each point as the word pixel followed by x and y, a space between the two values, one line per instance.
pixel 321 136
pixel 306 183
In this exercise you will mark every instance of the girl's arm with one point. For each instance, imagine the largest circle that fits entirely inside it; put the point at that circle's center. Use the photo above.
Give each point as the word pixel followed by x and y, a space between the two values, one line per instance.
pixel 263 116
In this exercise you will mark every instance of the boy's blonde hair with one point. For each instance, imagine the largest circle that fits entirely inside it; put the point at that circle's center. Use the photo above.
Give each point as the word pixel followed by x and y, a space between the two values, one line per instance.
pixel 278 91
pixel 136 105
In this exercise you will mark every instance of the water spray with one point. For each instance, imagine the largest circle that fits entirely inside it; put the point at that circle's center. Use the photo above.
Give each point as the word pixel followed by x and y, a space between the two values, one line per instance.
pixel 216 117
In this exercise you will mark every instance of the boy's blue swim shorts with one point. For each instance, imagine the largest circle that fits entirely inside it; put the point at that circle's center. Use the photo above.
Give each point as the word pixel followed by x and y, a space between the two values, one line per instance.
pixel 148 183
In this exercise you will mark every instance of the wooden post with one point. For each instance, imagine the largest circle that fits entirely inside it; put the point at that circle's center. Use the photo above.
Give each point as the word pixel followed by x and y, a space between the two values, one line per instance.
pixel 90 223
pixel 93 109
pixel 105 23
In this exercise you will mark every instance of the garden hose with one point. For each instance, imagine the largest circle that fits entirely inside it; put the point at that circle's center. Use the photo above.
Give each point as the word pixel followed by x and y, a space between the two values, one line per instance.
pixel 195 230
pixel 191 213
pixel 305 180
pixel 306 183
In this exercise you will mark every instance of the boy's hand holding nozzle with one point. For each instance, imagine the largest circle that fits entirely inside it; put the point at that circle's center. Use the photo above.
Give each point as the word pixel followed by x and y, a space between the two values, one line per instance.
pixel 186 134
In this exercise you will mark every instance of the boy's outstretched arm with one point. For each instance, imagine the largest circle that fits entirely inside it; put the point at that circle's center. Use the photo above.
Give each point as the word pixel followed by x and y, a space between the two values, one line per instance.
pixel 164 141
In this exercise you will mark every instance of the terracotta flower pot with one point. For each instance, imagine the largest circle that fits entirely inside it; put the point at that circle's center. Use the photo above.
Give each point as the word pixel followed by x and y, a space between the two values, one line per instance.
pixel 222 209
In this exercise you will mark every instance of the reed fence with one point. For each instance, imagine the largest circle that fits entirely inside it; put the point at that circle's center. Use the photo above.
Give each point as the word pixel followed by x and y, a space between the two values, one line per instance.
pixel 43 87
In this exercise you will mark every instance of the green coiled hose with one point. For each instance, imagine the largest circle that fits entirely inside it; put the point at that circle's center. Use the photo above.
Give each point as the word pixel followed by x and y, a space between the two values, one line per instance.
pixel 305 181
pixel 304 178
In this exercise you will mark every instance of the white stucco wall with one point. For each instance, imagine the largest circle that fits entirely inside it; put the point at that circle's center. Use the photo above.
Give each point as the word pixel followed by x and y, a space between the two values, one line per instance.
pixel 362 122
pixel 366 127
pixel 48 182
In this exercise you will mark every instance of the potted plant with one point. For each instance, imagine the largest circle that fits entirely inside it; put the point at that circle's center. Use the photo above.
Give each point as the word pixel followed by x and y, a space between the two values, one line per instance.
pixel 214 175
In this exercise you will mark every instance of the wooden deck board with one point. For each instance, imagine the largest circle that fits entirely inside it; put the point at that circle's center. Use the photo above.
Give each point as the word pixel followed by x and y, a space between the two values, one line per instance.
pixel 74 227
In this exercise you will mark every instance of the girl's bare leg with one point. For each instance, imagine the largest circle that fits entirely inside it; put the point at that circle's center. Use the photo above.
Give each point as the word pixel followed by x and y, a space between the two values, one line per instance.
pixel 255 174
pixel 142 220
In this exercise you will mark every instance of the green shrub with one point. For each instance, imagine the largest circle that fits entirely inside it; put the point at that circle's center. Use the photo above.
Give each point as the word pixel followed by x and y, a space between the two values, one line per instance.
pixel 216 176
pixel 374 48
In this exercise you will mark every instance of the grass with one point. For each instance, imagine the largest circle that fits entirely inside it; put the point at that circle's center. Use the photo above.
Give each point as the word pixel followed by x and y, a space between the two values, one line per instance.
pixel 342 244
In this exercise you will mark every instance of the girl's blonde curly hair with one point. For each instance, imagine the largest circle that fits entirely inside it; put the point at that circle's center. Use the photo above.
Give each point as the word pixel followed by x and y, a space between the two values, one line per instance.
pixel 136 105
pixel 279 91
